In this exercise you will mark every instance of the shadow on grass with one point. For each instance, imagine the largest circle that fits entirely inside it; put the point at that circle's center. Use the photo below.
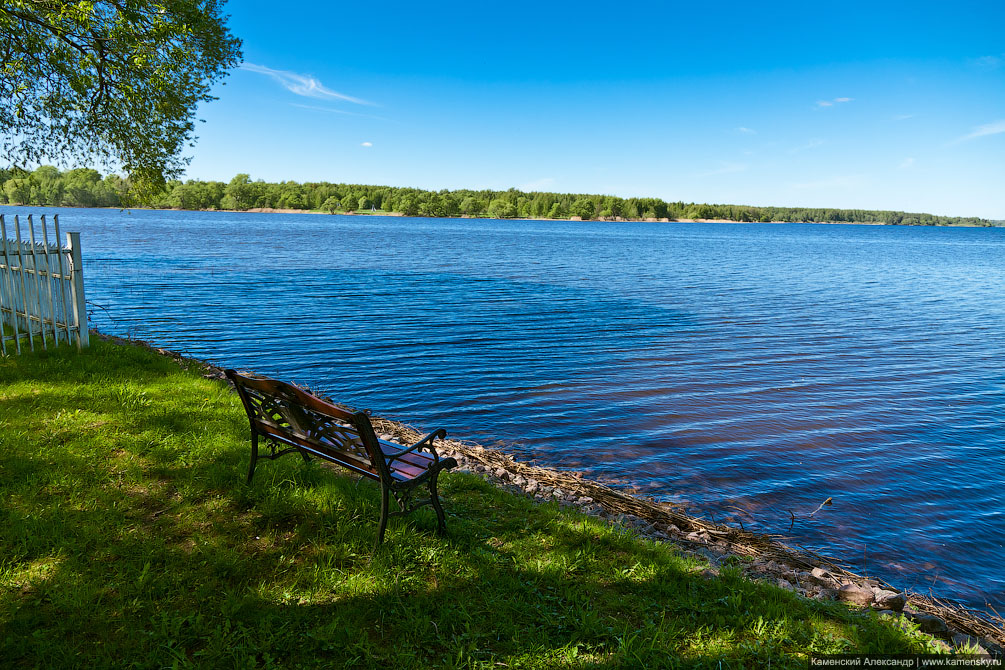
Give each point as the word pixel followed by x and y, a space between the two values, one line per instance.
pixel 130 539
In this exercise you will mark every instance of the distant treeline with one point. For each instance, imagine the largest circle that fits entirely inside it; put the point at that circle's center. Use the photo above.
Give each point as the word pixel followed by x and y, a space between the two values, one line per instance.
pixel 85 187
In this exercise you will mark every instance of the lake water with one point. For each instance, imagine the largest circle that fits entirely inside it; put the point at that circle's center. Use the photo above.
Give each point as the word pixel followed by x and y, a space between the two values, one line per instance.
pixel 749 370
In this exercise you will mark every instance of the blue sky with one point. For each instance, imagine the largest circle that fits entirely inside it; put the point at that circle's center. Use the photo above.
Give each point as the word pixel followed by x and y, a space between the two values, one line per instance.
pixel 855 105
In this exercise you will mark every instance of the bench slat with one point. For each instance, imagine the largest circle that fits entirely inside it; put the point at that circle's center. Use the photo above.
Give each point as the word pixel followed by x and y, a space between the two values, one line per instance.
pixel 408 466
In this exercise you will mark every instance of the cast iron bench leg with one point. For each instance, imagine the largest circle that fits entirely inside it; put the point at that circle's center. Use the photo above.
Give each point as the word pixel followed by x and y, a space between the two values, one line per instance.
pixel 441 524
pixel 384 511
pixel 254 455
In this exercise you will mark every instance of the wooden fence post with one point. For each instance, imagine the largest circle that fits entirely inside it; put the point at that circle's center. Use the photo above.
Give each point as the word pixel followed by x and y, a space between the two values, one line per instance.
pixel 48 281
pixel 63 280
pixel 77 289
pixel 25 310
pixel 38 283
pixel 3 287
pixel 11 285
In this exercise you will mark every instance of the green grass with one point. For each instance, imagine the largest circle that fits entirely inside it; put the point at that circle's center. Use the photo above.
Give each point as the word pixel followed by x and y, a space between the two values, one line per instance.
pixel 130 539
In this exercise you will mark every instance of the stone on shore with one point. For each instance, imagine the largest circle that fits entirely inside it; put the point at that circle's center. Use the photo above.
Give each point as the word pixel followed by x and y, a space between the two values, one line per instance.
pixel 889 600
pixel 821 575
pixel 851 593
pixel 929 623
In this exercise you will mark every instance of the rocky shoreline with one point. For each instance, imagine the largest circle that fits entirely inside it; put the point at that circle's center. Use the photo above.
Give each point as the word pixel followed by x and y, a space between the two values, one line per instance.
pixel 764 558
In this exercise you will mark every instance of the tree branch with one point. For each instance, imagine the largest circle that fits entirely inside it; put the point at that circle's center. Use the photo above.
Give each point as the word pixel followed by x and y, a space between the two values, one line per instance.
pixel 48 27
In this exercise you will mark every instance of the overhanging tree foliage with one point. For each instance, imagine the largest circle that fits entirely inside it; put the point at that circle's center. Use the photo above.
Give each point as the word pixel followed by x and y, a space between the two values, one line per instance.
pixel 113 80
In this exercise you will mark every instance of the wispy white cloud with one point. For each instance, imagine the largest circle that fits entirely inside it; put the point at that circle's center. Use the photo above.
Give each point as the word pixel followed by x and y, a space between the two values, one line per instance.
pixel 995 128
pixel 331 110
pixel 324 109
pixel 903 117
pixel 725 168
pixel 366 144
pixel 831 103
pixel 812 144
pixel 746 131
pixel 537 185
pixel 988 62
pixel 906 163
pixel 302 84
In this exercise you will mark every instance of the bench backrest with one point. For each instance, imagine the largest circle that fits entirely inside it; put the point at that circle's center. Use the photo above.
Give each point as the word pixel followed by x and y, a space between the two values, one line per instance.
pixel 291 416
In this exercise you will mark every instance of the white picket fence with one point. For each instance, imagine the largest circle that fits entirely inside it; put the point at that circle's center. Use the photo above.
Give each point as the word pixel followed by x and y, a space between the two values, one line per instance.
pixel 41 288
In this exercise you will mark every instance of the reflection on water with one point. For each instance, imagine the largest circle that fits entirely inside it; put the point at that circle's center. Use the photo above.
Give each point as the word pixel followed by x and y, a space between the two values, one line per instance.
pixel 751 370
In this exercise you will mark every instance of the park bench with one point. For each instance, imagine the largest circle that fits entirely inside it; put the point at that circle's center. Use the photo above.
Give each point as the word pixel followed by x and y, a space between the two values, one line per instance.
pixel 293 420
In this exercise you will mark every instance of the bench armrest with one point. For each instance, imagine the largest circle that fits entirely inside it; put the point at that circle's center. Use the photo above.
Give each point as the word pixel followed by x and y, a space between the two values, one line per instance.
pixel 426 442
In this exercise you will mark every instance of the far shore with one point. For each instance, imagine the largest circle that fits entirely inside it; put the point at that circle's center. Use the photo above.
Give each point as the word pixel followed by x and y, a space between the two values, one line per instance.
pixel 610 219
pixel 616 219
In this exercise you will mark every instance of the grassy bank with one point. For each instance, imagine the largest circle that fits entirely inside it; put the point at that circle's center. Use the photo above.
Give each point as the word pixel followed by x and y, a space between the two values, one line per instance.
pixel 130 539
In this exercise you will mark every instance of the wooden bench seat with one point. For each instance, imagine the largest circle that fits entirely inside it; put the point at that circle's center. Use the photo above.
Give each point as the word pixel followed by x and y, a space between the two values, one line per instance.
pixel 293 420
